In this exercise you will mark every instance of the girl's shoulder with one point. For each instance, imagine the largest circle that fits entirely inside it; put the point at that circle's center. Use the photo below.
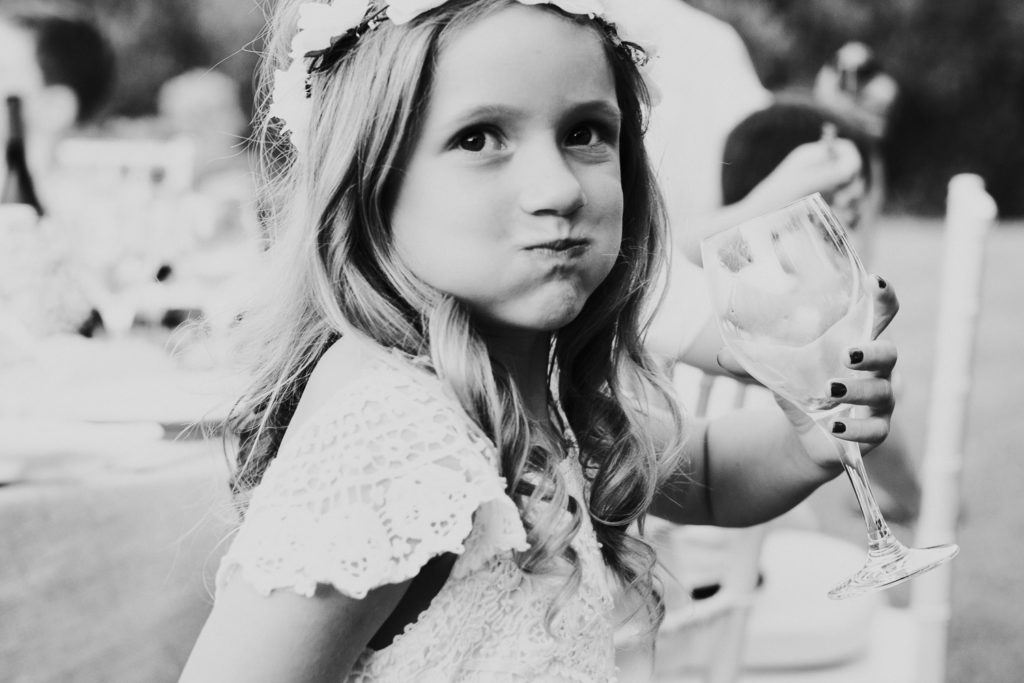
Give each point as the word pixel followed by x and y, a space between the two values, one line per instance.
pixel 380 473
pixel 377 409
pixel 355 370
pixel 353 358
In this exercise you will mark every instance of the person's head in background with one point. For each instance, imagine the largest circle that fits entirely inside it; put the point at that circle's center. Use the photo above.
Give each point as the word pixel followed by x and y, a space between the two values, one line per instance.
pixel 853 82
pixel 205 105
pixel 760 142
pixel 63 69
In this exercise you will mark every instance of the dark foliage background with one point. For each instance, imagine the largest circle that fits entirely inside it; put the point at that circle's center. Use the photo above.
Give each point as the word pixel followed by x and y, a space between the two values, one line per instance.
pixel 960 65
pixel 158 39
pixel 961 70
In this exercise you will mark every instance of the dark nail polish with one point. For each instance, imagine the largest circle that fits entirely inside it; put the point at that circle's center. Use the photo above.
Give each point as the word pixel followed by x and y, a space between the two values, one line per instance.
pixel 838 390
pixel 856 356
pixel 881 283
pixel 838 428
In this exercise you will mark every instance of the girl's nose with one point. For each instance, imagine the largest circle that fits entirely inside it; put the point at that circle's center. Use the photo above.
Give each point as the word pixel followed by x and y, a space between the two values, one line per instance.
pixel 550 184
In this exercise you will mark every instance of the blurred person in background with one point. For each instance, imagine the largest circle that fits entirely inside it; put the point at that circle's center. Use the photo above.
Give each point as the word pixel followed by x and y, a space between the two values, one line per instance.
pixel 62 67
pixel 759 143
pixel 707 85
pixel 204 105
pixel 854 85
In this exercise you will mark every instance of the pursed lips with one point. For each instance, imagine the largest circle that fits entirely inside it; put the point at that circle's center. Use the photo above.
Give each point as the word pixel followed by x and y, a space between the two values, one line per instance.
pixel 566 246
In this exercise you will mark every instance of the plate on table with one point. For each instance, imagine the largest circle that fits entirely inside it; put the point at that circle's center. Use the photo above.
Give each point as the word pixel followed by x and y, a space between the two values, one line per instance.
pixel 52 449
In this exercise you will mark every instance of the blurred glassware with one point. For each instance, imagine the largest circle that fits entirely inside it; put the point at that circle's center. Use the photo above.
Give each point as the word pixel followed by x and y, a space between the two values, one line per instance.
pixel 153 248
pixel 18 186
pixel 39 289
pixel 121 207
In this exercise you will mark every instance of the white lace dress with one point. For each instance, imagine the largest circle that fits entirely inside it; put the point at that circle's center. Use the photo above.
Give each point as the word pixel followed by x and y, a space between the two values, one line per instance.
pixel 388 474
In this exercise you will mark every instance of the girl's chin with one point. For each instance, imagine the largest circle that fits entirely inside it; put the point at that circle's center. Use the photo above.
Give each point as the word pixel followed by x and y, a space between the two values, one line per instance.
pixel 548 321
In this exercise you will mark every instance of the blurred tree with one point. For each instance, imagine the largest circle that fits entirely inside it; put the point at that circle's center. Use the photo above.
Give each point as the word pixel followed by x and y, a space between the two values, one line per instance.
pixel 961 70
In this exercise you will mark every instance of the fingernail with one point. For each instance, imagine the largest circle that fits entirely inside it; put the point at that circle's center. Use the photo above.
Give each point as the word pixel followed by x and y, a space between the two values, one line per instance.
pixel 881 283
pixel 856 356
pixel 838 428
pixel 838 390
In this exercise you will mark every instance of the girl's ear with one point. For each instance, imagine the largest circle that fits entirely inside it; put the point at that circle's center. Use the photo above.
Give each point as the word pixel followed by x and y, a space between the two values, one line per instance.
pixel 57 109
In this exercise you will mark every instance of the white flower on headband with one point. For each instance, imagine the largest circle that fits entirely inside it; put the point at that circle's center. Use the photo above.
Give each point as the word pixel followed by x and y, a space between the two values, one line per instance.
pixel 288 102
pixel 403 11
pixel 318 25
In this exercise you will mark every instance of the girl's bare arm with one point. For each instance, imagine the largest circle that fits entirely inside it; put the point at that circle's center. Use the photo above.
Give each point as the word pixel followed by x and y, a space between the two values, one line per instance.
pixel 286 637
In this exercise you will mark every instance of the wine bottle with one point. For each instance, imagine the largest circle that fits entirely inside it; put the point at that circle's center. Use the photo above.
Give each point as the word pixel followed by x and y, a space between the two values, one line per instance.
pixel 18 187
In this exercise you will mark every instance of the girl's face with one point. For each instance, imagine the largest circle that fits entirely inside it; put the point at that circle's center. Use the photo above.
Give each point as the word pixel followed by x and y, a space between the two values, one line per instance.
pixel 512 198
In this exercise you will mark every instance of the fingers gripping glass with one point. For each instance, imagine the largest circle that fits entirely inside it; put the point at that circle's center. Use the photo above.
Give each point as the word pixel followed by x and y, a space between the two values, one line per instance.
pixel 790 297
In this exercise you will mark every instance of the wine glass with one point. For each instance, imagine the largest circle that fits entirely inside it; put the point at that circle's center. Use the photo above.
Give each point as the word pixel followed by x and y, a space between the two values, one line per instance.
pixel 790 298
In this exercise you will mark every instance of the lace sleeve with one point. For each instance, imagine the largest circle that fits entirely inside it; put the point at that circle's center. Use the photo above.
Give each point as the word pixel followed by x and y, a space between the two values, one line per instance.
pixel 383 477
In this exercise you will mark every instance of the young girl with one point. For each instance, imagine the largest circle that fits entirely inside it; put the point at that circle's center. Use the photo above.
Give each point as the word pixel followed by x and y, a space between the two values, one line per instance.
pixel 453 424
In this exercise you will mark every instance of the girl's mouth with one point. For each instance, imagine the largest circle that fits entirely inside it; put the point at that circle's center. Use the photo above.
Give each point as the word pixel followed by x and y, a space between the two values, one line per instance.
pixel 567 246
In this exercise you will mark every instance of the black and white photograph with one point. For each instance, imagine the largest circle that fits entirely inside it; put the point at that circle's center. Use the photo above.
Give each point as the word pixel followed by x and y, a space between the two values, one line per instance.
pixel 511 341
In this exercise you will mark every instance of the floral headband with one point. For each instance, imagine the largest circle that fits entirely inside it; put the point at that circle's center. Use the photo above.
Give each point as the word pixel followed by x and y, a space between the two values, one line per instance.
pixel 327 31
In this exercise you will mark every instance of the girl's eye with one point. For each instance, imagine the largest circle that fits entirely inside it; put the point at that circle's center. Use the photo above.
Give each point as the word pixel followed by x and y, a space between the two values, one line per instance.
pixel 477 141
pixel 581 136
pixel 473 142
pixel 592 134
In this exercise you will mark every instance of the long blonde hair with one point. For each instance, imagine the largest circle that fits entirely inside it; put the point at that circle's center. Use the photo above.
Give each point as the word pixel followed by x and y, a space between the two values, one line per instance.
pixel 334 268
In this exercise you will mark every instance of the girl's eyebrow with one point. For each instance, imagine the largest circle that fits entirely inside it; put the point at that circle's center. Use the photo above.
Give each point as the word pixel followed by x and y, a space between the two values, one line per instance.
pixel 599 107
pixel 602 108
pixel 485 112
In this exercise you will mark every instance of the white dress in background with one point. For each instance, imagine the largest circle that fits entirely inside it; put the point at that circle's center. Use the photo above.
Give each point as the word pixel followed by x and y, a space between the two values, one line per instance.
pixel 390 473
pixel 707 85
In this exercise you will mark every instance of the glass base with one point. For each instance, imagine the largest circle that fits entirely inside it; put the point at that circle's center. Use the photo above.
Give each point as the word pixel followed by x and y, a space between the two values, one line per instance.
pixel 891 566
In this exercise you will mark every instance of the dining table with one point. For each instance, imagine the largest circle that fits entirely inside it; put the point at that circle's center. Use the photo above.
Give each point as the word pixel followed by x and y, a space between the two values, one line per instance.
pixel 114 509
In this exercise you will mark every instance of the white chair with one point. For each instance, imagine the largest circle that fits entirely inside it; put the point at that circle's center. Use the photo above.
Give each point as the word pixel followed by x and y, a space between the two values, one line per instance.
pixel 971 212
pixel 699 640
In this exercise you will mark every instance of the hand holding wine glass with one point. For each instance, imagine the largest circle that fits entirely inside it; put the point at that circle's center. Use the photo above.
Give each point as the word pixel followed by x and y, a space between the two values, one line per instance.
pixel 793 305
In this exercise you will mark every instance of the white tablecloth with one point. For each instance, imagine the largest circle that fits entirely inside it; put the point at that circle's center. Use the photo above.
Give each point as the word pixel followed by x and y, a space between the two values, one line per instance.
pixel 106 577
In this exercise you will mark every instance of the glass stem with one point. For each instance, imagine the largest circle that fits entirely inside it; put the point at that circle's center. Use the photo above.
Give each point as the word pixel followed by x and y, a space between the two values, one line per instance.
pixel 880 539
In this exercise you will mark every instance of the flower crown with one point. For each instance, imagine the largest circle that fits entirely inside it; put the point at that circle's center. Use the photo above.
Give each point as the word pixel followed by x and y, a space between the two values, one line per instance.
pixel 326 31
